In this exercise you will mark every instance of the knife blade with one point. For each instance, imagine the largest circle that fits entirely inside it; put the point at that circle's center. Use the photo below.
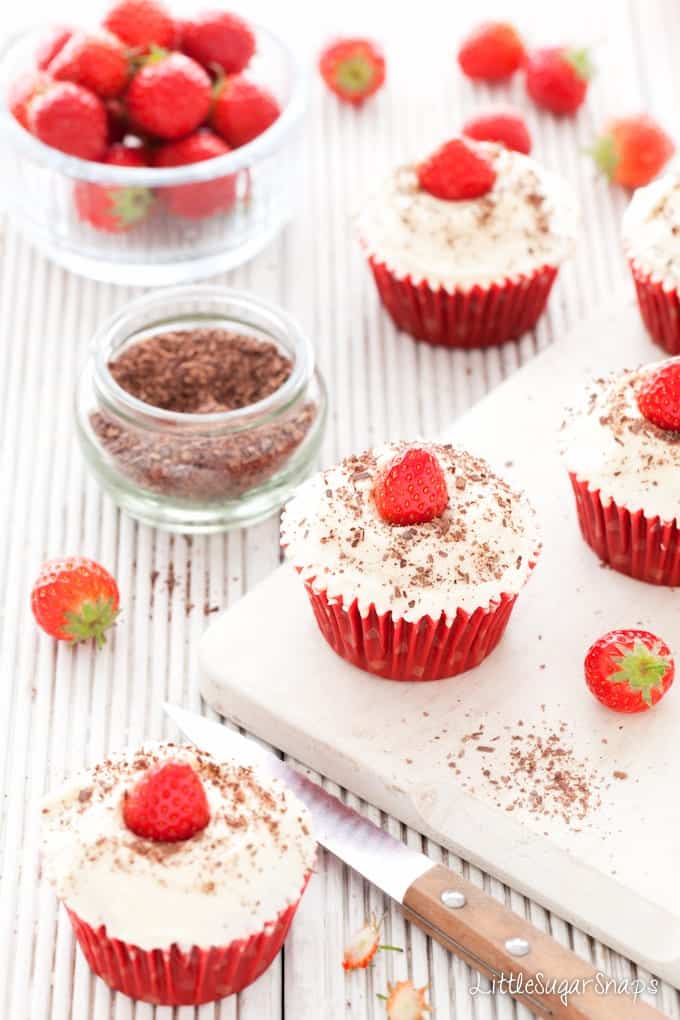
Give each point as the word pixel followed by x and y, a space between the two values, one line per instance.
pixel 519 958
pixel 381 859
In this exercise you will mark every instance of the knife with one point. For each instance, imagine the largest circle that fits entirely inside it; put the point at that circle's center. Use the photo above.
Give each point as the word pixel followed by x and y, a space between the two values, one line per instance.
pixel 524 961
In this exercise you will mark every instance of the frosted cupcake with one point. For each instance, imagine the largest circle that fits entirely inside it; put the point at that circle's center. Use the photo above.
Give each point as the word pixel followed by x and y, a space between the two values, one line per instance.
pixel 651 238
pixel 181 875
pixel 412 557
pixel 465 247
pixel 621 447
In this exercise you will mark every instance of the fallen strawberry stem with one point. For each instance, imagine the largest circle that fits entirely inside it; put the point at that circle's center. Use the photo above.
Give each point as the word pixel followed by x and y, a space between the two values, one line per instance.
pixel 379 995
pixel 393 949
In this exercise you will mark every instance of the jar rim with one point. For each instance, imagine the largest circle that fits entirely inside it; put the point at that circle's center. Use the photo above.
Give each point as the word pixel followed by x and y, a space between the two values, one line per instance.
pixel 241 302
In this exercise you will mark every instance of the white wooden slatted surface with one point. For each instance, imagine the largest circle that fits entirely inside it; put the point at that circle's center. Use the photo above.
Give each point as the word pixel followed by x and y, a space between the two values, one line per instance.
pixel 61 709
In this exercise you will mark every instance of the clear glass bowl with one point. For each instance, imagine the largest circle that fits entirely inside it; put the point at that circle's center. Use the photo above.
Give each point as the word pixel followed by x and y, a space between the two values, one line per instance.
pixel 200 472
pixel 38 184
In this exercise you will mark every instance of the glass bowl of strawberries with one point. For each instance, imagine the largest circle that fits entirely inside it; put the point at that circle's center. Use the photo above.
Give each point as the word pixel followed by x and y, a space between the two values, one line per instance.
pixel 151 148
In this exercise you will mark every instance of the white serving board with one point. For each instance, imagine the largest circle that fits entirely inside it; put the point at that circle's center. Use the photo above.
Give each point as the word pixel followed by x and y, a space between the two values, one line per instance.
pixel 612 873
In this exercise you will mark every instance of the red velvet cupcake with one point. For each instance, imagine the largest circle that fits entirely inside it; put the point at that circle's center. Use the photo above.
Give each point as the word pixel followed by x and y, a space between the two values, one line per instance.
pixel 651 238
pixel 468 262
pixel 180 875
pixel 621 447
pixel 412 557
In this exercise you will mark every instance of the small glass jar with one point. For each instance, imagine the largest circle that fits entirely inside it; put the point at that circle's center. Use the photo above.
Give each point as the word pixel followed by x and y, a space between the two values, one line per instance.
pixel 193 472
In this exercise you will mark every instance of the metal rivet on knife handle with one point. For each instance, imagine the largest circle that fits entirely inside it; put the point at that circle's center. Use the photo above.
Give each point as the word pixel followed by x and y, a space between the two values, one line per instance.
pixel 517 947
pixel 454 899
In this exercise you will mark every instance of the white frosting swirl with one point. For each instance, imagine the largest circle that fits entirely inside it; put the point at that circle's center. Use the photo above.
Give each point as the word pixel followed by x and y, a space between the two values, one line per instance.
pixel 527 220
pixel 482 546
pixel 651 230
pixel 608 443
pixel 225 883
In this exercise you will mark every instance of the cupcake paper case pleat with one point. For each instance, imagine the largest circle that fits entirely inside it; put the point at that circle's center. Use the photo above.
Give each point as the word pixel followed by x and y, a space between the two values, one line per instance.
pixel 645 548
pixel 660 309
pixel 173 977
pixel 400 650
pixel 477 317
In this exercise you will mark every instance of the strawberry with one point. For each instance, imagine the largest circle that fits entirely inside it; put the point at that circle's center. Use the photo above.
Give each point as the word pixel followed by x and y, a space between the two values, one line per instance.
pixel 95 60
pixel 52 43
pixel 218 40
pixel 197 201
pixel 353 69
pixel 363 945
pixel 411 488
pixel 116 120
pixel 70 118
pixel 632 150
pixel 114 208
pixel 629 670
pixel 658 396
pixel 456 171
pixel 492 51
pixel 406 1002
pixel 503 125
pixel 177 33
pixel 167 804
pixel 557 78
pixel 141 24
pixel 75 599
pixel 169 96
pixel 242 110
pixel 21 92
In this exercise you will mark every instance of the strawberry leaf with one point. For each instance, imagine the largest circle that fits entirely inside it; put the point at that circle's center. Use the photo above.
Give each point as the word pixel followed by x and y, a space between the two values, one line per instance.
pixel 606 155
pixel 581 62
pixel 91 621
pixel 642 669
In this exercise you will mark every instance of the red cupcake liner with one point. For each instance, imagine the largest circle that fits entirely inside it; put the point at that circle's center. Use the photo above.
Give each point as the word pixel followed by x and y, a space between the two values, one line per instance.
pixel 660 309
pixel 400 650
pixel 478 317
pixel 645 548
pixel 172 977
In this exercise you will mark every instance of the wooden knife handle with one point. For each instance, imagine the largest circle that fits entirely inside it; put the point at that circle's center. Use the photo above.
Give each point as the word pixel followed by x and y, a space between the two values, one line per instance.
pixel 489 937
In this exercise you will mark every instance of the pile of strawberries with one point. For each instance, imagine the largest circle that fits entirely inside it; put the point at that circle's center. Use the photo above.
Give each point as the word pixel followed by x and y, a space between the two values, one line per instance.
pixel 146 89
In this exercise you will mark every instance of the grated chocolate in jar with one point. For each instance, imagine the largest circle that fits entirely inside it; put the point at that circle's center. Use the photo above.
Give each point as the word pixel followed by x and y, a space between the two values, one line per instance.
pixel 202 371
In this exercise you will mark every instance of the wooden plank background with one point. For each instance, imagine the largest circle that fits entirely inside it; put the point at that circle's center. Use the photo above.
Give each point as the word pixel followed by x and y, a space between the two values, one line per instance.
pixel 61 709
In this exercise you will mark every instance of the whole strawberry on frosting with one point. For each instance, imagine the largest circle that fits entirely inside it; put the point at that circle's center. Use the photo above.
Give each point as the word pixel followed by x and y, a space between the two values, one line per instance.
pixel 167 804
pixel 455 171
pixel 658 396
pixel 411 488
